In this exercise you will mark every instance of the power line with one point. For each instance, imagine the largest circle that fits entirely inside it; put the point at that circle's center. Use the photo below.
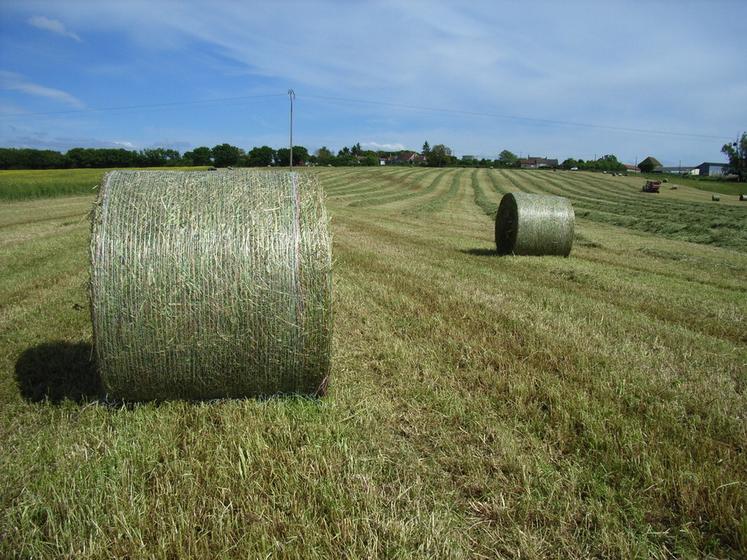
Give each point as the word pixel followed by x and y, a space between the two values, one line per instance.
pixel 443 110
pixel 144 106
pixel 515 117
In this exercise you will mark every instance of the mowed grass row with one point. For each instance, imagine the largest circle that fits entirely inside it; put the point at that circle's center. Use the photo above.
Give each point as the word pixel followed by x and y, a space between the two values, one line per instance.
pixel 480 406
pixel 685 213
pixel 676 214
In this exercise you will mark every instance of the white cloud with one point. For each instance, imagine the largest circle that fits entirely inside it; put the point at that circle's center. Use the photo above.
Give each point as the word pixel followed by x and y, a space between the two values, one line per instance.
pixel 53 25
pixel 383 147
pixel 45 141
pixel 16 82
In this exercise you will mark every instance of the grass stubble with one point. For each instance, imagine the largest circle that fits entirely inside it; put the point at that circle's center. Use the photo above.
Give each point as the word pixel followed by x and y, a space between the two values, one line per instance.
pixel 480 406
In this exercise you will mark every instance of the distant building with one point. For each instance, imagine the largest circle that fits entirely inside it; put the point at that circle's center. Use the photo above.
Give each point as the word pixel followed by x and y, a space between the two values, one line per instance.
pixel 406 157
pixel 678 170
pixel 468 158
pixel 649 164
pixel 532 162
pixel 709 169
pixel 630 168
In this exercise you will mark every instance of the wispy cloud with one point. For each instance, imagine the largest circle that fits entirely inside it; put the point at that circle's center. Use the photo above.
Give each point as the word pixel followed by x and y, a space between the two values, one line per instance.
pixel 53 25
pixel 45 141
pixel 383 147
pixel 180 145
pixel 384 55
pixel 16 82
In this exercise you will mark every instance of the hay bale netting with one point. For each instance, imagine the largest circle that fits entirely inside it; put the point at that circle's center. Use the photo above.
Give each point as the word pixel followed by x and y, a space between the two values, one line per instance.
pixel 208 285
pixel 534 224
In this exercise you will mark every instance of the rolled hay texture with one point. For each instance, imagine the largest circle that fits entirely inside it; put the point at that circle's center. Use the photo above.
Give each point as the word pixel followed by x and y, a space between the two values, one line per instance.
pixel 208 285
pixel 533 224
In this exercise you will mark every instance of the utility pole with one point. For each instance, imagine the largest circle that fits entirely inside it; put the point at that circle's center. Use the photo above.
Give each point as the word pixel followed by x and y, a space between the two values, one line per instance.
pixel 292 97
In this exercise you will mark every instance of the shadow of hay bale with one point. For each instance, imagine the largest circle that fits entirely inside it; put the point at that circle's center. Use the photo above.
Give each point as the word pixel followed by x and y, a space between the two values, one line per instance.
pixel 479 252
pixel 57 371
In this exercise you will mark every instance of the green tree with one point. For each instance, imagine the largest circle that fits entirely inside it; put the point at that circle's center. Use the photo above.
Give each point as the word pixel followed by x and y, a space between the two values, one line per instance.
pixel 300 155
pixel 199 156
pixel 508 159
pixel 439 156
pixel 324 156
pixel 737 154
pixel 356 150
pixel 261 156
pixel 28 158
pixel 282 157
pixel 155 157
pixel 569 163
pixel 225 154
pixel 345 157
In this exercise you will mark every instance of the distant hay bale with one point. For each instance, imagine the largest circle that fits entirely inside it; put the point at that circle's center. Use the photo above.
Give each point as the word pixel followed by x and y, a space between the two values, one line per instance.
pixel 743 197
pixel 533 224
pixel 715 197
pixel 208 285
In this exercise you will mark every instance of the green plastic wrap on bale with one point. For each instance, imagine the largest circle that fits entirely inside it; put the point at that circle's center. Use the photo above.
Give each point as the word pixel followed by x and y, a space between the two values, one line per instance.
pixel 534 224
pixel 211 284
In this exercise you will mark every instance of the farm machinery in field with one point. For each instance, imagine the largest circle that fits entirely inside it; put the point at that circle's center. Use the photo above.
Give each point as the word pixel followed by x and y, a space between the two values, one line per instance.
pixel 651 186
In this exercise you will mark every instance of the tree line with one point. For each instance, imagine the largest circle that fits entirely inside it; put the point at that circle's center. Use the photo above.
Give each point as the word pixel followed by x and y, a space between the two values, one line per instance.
pixel 222 155
pixel 607 163
pixel 226 155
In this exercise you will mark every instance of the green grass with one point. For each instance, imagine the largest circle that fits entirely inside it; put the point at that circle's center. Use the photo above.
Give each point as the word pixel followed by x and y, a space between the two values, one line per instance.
pixel 684 214
pixel 25 184
pixel 480 406
pixel 708 184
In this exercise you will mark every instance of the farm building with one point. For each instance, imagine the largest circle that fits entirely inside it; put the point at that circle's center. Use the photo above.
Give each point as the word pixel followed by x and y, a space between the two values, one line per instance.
pixel 677 170
pixel 649 164
pixel 409 157
pixel 403 158
pixel 709 169
pixel 630 168
pixel 532 162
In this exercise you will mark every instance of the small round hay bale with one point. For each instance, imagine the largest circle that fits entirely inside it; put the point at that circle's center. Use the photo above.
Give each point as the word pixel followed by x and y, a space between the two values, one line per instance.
pixel 208 285
pixel 715 197
pixel 534 224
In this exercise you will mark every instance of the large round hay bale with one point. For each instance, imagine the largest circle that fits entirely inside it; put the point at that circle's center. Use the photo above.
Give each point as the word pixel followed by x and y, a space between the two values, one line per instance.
pixel 533 224
pixel 208 285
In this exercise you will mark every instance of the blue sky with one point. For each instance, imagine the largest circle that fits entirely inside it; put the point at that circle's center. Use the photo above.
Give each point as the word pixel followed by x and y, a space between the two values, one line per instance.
pixel 504 70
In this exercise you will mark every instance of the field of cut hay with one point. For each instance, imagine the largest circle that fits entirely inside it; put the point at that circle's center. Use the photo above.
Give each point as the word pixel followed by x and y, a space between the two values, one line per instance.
pixel 479 406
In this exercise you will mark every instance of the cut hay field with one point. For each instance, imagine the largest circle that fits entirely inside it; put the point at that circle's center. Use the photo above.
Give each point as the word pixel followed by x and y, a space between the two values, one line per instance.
pixel 28 184
pixel 480 406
